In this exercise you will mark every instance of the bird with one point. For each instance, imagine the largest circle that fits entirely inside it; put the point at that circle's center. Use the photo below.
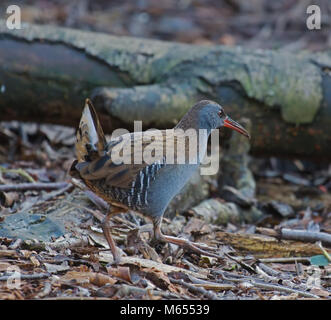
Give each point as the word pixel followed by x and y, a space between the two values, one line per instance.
pixel 145 185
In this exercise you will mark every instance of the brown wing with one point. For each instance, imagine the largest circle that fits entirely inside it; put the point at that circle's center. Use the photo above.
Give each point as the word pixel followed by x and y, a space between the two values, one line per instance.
pixel 122 162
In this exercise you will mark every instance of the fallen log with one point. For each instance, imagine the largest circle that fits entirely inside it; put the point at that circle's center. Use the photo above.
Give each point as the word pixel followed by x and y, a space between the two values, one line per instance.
pixel 46 72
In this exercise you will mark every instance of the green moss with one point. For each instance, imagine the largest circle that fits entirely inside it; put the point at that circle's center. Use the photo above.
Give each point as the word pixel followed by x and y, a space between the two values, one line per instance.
pixel 277 79
pixel 282 80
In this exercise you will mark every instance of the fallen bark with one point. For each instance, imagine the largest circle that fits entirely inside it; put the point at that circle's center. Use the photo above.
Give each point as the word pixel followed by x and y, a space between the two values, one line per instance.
pixel 306 236
pixel 46 73
pixel 299 235
pixel 267 247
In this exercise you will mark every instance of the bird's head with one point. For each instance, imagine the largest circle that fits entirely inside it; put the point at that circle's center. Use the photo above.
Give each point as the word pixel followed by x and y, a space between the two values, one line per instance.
pixel 212 116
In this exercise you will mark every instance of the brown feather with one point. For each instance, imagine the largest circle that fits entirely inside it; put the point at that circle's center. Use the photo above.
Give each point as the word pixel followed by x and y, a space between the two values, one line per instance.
pixel 91 141
pixel 154 149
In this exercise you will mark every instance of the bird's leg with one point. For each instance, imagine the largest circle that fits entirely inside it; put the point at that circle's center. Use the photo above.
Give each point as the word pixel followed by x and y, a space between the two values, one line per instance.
pixel 158 235
pixel 106 231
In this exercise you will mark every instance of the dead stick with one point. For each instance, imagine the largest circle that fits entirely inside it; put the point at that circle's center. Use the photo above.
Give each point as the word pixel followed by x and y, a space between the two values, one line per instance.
pixel 267 286
pixel 26 276
pixel 285 260
pixel 209 285
pixel 306 236
pixel 50 196
pixel 124 290
pixel 96 213
pixel 33 186
pixel 277 287
pixel 240 262
pixel 269 271
pixel 196 290
pixel 100 203
pixel 21 172
pixel 46 291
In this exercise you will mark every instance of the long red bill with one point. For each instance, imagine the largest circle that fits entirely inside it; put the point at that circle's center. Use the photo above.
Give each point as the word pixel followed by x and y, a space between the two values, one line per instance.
pixel 229 123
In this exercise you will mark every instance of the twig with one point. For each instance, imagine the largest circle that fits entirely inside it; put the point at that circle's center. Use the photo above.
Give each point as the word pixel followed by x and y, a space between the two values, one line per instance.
pixel 9 253
pixel 100 203
pixel 194 289
pixel 57 193
pixel 267 231
pixel 76 298
pixel 21 172
pixel 265 276
pixel 215 286
pixel 209 285
pixel 15 244
pixel 95 213
pixel 241 263
pixel 45 292
pixel 33 186
pixel 125 290
pixel 191 266
pixel 269 270
pixel 233 277
pixel 280 288
pixel 50 196
pixel 68 243
pixel 304 235
pixel 26 276
pixel 285 260
pixel 266 286
pixel 327 256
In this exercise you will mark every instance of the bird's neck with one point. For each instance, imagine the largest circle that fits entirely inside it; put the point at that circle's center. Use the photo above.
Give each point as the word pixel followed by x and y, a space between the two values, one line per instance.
pixel 195 142
pixel 193 121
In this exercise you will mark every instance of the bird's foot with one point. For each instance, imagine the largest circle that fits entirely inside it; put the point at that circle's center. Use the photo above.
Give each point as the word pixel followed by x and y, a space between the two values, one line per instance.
pixel 147 228
pixel 116 258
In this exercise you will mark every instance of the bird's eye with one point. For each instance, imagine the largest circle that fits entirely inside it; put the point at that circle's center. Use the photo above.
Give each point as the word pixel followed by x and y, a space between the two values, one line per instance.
pixel 221 113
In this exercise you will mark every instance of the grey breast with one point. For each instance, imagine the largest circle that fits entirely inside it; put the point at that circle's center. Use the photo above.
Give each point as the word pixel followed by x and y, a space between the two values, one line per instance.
pixel 168 182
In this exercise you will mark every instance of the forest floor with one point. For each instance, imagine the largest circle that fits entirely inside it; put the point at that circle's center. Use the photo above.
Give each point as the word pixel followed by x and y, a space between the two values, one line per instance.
pixel 52 246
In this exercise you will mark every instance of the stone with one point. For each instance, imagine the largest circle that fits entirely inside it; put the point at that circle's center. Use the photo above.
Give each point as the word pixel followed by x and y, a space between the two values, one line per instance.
pixel 29 226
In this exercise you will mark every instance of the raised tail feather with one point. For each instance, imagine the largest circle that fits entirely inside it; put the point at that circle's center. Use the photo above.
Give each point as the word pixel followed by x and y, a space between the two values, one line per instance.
pixel 90 139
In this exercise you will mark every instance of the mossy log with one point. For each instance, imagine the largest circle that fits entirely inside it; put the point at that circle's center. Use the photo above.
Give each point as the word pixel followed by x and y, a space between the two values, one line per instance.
pixel 46 72
pixel 262 246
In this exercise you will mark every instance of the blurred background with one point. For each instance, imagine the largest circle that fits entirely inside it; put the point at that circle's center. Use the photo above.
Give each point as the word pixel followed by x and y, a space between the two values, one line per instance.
pixel 299 185
pixel 254 23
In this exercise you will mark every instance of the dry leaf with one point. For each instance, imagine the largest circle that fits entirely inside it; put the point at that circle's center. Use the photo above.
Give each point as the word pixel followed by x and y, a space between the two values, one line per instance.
pixel 95 278
pixel 320 292
pixel 34 261
pixel 4 266
pixel 120 272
